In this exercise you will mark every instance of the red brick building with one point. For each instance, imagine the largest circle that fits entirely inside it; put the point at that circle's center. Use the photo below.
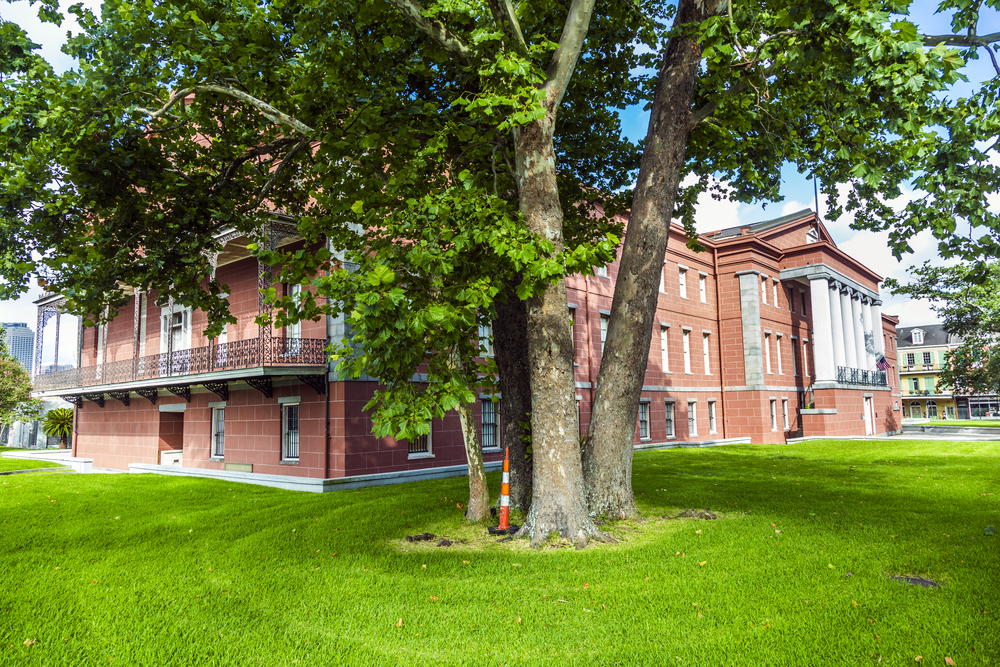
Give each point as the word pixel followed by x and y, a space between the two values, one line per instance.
pixel 771 333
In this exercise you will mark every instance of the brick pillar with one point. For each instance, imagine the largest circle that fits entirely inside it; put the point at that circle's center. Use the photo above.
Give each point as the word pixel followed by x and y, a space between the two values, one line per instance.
pixel 753 351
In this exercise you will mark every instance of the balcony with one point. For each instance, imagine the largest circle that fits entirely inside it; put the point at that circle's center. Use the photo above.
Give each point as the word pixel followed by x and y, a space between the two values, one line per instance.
pixel 252 353
pixel 861 377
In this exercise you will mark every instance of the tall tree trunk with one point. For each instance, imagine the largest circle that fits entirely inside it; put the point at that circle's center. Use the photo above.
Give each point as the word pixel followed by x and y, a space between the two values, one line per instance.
pixel 510 344
pixel 479 490
pixel 608 458
pixel 558 503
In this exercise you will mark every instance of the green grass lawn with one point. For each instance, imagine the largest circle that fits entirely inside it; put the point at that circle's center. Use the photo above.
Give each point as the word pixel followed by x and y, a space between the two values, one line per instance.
pixel 987 423
pixel 149 570
pixel 22 464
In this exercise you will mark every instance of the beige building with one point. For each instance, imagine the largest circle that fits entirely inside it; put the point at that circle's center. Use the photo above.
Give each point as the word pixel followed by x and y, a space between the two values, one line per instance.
pixel 921 354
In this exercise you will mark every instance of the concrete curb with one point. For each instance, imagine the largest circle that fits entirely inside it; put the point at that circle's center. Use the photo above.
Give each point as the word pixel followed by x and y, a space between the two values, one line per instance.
pixel 674 444
pixel 63 456
pixel 309 484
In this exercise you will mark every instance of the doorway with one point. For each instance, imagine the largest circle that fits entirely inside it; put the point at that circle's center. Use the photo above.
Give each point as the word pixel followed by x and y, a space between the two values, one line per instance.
pixel 171 435
pixel 869 417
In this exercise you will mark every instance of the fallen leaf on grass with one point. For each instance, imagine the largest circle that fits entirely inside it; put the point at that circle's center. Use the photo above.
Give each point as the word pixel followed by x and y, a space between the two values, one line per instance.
pixel 699 615
pixel 854 602
pixel 29 642
pixel 919 658
pixel 949 661
pixel 465 562
pixel 702 563
pixel 518 619
pixel 399 623
pixel 434 598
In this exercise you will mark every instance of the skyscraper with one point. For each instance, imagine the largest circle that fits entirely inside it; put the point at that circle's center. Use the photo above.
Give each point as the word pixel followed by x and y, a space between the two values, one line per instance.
pixel 20 342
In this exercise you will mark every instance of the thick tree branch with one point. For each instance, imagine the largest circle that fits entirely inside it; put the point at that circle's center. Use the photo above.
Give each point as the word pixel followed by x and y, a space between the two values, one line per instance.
pixel 708 109
pixel 276 174
pixel 436 30
pixel 564 60
pixel 266 109
pixel 256 151
pixel 969 41
pixel 503 13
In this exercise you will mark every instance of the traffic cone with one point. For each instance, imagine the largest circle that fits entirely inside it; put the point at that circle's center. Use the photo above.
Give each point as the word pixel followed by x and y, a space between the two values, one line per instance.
pixel 505 528
pixel 505 493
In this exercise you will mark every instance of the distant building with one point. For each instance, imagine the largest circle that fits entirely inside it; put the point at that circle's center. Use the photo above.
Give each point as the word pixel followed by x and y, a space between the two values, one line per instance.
pixel 52 368
pixel 922 351
pixel 20 342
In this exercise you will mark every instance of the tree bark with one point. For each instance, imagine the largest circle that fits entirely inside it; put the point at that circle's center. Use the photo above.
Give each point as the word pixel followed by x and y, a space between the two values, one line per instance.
pixel 557 500
pixel 608 456
pixel 479 490
pixel 510 343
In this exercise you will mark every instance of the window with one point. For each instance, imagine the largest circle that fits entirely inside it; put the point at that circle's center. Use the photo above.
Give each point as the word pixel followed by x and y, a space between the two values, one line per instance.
pixel 644 421
pixel 711 417
pixel 669 413
pixel 488 438
pixel 572 321
pixel 812 236
pixel 663 283
pixel 420 447
pixel 763 289
pixel 687 351
pixel 486 338
pixel 702 289
pixel 774 416
pixel 784 412
pixel 916 384
pixel 927 358
pixel 602 271
pixel 805 358
pixel 932 410
pixel 682 278
pixel 774 292
pixel 795 352
pixel 802 293
pixel 777 352
pixel 911 359
pixel 918 337
pixel 290 432
pixel 218 432
pixel 791 299
pixel 767 352
pixel 692 418
pixel 704 345
pixel 664 352
pixel 604 332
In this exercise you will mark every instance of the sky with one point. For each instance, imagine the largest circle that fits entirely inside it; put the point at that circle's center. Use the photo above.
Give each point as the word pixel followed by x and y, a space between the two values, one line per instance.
pixel 870 248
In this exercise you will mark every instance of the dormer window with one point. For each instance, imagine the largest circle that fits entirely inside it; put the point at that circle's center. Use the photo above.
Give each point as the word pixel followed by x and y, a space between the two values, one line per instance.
pixel 812 236
pixel 918 337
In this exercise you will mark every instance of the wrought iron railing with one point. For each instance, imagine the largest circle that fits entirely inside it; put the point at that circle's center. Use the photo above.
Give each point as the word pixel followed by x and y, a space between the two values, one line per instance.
pixel 847 375
pixel 233 355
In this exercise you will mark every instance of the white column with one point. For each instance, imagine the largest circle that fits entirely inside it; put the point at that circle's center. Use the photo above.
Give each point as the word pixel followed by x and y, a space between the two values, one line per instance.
pixel 859 330
pixel 850 348
pixel 870 333
pixel 837 325
pixel 876 315
pixel 823 345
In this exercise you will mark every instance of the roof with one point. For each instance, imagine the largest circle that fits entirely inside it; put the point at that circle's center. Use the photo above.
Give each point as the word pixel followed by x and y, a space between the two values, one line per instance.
pixel 934 334
pixel 761 226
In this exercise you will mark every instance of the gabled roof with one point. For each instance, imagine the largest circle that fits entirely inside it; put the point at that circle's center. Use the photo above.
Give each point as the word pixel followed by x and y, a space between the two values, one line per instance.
pixel 762 226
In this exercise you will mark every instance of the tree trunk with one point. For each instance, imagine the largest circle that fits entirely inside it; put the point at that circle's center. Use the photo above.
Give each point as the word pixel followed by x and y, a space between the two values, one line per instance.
pixel 510 343
pixel 558 503
pixel 608 458
pixel 479 490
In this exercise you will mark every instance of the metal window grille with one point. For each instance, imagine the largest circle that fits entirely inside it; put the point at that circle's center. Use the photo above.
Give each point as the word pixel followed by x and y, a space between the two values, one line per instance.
pixel 420 445
pixel 489 435
pixel 643 420
pixel 218 432
pixel 290 433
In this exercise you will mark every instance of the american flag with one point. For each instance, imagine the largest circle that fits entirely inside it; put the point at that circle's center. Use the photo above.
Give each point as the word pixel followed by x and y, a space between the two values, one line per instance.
pixel 882 364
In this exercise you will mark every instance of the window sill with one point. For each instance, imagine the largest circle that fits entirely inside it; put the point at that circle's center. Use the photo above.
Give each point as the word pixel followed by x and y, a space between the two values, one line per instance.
pixel 671 437
pixel 217 459
pixel 492 450
pixel 644 439
pixel 414 457
pixel 289 462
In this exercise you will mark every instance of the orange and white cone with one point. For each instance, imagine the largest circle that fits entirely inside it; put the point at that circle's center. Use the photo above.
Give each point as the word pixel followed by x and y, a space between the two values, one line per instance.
pixel 505 494
pixel 505 528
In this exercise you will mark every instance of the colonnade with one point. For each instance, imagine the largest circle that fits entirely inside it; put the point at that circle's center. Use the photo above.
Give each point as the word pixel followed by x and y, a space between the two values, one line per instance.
pixel 847 327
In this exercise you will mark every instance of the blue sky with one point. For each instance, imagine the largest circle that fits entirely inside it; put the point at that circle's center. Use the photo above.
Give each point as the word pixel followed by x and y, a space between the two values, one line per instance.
pixel 868 247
